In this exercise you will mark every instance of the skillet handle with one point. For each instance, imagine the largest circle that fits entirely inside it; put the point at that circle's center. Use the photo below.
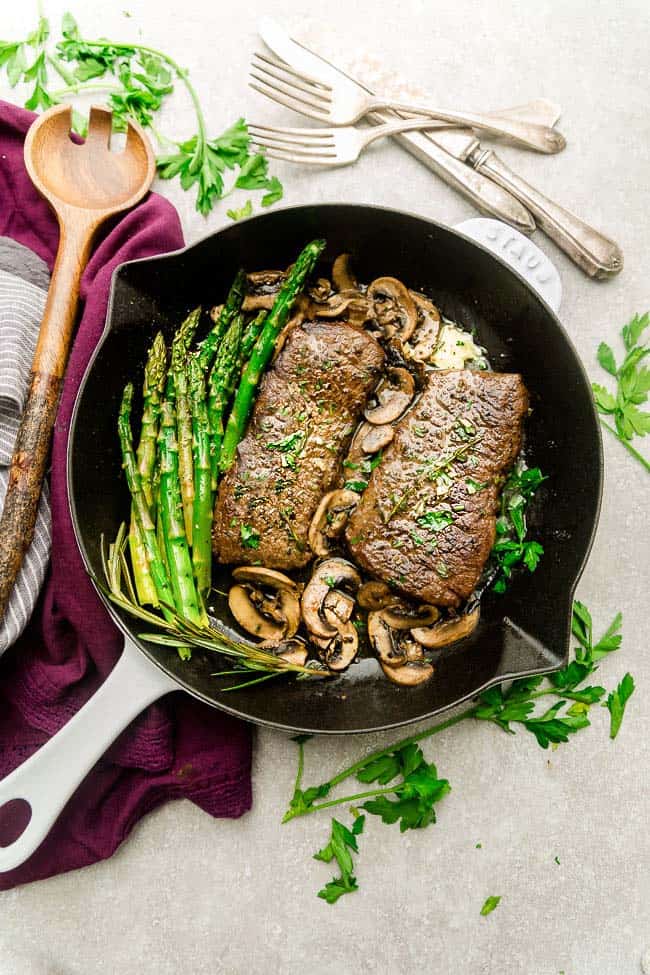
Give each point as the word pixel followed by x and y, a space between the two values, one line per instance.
pixel 48 779
pixel 520 253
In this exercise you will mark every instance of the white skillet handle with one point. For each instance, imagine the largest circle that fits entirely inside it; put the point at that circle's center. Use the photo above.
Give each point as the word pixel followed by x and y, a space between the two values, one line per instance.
pixel 48 779
pixel 520 253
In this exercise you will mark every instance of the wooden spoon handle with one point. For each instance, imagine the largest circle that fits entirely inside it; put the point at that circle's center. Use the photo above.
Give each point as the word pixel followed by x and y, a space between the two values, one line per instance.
pixel 31 450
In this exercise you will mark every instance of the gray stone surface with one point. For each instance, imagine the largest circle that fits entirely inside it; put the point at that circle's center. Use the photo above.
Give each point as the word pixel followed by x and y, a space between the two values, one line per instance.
pixel 190 895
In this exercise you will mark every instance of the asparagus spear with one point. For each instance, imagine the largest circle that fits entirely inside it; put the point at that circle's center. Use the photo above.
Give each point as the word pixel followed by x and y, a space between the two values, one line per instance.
pixel 176 392
pixel 208 347
pixel 173 527
pixel 155 564
pixel 202 512
pixel 180 348
pixel 154 378
pixel 263 349
pixel 222 376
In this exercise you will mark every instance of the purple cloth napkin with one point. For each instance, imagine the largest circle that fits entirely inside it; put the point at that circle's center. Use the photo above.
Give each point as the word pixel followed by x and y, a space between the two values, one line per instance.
pixel 178 748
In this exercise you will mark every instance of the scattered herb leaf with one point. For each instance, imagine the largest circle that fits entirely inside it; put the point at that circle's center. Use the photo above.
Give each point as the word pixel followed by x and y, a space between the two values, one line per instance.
pixel 491 903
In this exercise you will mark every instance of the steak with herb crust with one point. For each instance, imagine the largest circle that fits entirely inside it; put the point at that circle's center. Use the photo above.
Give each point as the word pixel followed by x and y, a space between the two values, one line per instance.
pixel 309 404
pixel 426 521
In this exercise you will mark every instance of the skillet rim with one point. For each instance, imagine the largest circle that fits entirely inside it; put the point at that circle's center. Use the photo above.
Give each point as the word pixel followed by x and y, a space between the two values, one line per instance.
pixel 498 678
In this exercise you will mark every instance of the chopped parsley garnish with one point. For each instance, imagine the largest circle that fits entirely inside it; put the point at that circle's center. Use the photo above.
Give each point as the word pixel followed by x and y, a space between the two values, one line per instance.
pixel 616 703
pixel 473 487
pixel 290 446
pixel 250 538
pixel 359 486
pixel 490 904
pixel 442 570
pixel 436 520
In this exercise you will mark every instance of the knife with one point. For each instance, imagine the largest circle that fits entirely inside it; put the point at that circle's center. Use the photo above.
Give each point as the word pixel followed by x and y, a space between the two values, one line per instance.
pixel 592 251
pixel 485 194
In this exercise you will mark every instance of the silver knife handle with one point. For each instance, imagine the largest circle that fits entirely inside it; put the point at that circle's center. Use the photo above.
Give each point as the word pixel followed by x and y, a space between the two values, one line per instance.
pixel 598 256
pixel 482 192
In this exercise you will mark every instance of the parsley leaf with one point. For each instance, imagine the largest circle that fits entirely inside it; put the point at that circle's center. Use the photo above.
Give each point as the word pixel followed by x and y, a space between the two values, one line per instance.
pixel 242 213
pixel 250 538
pixel 632 387
pixel 512 548
pixel 416 795
pixel 275 192
pixel 490 904
pixel 616 703
pixel 342 841
pixel 436 520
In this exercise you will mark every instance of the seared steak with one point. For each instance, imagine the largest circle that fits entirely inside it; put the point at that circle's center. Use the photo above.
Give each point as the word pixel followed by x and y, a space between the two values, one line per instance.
pixel 426 522
pixel 308 406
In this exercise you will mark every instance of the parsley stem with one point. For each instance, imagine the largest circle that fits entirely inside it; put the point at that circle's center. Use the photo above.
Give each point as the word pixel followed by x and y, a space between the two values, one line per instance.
pixel 81 88
pixel 341 801
pixel 396 746
pixel 628 446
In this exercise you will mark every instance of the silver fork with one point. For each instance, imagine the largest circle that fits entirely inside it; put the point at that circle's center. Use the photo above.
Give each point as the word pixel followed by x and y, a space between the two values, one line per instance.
pixel 326 147
pixel 344 104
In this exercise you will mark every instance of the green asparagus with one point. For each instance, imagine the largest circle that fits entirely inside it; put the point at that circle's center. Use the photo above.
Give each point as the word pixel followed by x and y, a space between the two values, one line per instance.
pixel 222 376
pixel 263 350
pixel 176 393
pixel 154 378
pixel 180 348
pixel 171 512
pixel 202 512
pixel 208 347
pixel 141 510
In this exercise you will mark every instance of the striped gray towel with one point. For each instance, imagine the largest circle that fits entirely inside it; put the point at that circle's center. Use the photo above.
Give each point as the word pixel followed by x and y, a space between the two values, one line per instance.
pixel 24 280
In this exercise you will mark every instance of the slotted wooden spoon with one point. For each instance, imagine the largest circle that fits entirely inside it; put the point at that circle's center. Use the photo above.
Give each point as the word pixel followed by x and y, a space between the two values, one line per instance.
pixel 85 184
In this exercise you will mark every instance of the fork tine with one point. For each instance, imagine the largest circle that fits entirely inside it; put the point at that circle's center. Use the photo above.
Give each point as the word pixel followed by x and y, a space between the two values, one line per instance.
pixel 302 96
pixel 307 150
pixel 295 81
pixel 300 75
pixel 291 103
pixel 295 158
pixel 287 130
pixel 297 138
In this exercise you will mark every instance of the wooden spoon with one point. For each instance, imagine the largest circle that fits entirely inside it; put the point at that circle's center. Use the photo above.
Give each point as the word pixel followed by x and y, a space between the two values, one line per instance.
pixel 85 184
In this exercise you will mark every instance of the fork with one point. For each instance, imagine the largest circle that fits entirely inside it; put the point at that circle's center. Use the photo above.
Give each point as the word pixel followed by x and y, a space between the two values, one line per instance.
pixel 326 147
pixel 344 105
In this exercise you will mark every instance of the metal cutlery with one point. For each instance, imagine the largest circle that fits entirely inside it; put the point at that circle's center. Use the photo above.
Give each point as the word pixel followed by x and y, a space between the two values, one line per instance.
pixel 325 147
pixel 593 252
pixel 342 104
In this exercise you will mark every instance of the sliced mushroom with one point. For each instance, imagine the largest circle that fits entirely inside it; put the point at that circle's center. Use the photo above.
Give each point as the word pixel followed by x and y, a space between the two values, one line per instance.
pixel 265 577
pixel 298 316
pixel 339 651
pixel 377 438
pixel 337 607
pixel 328 576
pixel 321 290
pixel 293 651
pixel 393 395
pixel 394 307
pixel 265 280
pixel 448 632
pixel 255 302
pixel 330 519
pixel 265 603
pixel 342 276
pixel 387 646
pixel 413 672
pixel 423 343
pixel 376 595
pixel 400 617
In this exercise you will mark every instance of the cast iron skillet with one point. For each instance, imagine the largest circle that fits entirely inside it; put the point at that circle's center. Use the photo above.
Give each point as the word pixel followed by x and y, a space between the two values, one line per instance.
pixel 525 631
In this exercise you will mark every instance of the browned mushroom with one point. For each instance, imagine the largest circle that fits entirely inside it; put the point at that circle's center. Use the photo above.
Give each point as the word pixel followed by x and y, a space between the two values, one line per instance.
pixel 293 651
pixel 255 302
pixel 442 634
pixel 330 519
pixel 377 438
pixel 400 617
pixel 393 394
pixel 425 339
pixel 340 650
pixel 376 595
pixel 400 656
pixel 265 603
pixel 394 307
pixel 337 607
pixel 342 276
pixel 321 290
pixel 327 577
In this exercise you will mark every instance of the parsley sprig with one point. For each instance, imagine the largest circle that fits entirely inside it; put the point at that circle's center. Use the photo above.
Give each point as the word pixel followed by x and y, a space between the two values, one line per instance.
pixel 632 387
pixel 512 548
pixel 407 787
pixel 136 79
